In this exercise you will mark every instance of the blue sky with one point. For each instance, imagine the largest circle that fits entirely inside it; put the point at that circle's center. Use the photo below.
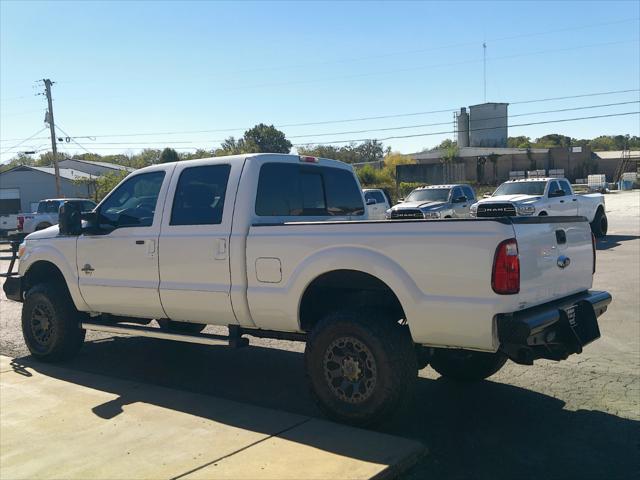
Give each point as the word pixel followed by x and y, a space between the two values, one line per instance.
pixel 154 67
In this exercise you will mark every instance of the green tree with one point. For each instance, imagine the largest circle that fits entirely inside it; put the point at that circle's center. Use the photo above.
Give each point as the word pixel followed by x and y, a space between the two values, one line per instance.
pixel 266 139
pixel 169 155
pixel 521 141
pixel 259 139
pixel 105 183
pixel 552 140
pixel 199 153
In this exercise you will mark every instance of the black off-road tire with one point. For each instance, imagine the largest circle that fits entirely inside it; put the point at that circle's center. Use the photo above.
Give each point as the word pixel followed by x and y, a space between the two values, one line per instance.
pixel 466 365
pixel 542 214
pixel 600 224
pixel 361 366
pixel 51 323
pixel 180 327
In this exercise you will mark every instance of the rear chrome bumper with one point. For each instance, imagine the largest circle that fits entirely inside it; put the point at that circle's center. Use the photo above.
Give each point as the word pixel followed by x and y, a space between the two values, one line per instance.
pixel 553 330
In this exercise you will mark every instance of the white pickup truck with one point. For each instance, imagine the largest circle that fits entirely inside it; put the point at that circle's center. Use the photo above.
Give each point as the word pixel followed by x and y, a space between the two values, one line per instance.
pixel 542 197
pixel 236 241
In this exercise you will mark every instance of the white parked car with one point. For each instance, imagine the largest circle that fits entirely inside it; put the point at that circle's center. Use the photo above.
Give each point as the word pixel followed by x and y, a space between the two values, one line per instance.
pixel 434 202
pixel 47 213
pixel 234 241
pixel 377 203
pixel 542 197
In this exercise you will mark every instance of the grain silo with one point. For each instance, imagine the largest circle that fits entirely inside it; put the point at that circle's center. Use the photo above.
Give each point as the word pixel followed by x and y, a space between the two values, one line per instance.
pixel 462 125
pixel 488 125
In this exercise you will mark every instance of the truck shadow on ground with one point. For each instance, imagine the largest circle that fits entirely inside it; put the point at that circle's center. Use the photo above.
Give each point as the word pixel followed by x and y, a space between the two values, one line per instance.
pixel 612 241
pixel 481 430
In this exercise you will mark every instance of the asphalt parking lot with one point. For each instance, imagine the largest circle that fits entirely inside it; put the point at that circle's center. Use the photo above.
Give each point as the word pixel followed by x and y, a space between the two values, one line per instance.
pixel 574 419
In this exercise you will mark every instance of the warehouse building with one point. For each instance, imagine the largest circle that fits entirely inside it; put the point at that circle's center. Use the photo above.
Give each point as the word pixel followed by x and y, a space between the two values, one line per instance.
pixel 21 188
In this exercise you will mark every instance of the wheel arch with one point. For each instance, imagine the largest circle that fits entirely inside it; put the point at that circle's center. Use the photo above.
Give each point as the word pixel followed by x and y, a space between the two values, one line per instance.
pixel 50 263
pixel 333 289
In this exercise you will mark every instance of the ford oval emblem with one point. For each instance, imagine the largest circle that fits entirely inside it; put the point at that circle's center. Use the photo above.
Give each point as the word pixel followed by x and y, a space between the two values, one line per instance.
pixel 563 261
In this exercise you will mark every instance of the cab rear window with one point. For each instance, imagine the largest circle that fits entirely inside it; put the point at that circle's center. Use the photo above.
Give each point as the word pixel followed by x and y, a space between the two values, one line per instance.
pixel 291 190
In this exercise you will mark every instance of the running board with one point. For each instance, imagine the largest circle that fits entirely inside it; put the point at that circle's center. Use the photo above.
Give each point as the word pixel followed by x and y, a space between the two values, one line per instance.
pixel 233 340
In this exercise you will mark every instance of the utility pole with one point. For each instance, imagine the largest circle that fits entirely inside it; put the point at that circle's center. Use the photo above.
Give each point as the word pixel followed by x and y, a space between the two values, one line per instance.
pixel 484 65
pixel 52 128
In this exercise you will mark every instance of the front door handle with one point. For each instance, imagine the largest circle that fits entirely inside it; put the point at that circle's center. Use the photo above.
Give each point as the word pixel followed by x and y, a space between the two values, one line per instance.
pixel 221 249
pixel 561 201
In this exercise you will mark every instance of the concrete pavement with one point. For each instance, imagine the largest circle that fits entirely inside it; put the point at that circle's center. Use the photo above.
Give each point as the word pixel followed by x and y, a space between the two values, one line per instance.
pixel 60 423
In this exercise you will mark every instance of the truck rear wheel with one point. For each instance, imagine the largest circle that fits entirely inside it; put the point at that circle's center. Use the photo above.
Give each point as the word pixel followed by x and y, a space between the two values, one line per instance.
pixel 361 366
pixel 600 224
pixel 51 323
pixel 180 327
pixel 466 365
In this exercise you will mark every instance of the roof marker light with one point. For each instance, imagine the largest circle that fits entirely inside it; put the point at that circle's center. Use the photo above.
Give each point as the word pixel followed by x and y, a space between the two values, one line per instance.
pixel 308 159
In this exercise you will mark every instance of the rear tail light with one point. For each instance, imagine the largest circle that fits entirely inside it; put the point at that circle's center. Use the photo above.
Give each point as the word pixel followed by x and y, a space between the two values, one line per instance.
pixel 505 277
pixel 593 247
pixel 20 222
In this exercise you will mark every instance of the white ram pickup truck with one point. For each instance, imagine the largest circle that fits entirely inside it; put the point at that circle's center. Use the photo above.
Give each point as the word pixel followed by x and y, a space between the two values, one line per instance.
pixel 542 197
pixel 236 241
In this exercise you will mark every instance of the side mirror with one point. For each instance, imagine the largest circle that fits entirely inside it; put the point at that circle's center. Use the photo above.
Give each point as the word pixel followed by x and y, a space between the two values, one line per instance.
pixel 69 219
pixel 371 201
pixel 487 195
pixel 91 221
pixel 400 200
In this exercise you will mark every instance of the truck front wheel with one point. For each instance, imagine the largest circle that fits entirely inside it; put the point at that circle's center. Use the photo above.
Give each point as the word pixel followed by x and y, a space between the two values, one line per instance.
pixel 466 365
pixel 361 366
pixel 600 224
pixel 51 323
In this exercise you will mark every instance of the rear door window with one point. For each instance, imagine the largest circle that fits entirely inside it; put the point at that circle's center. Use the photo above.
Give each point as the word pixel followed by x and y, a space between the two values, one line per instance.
pixel 49 207
pixel 200 195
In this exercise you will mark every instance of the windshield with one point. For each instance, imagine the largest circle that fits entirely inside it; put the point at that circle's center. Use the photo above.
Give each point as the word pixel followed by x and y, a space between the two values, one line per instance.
pixel 428 195
pixel 520 188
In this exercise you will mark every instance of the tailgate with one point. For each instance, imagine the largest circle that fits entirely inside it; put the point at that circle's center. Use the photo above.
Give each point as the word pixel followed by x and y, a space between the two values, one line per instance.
pixel 556 257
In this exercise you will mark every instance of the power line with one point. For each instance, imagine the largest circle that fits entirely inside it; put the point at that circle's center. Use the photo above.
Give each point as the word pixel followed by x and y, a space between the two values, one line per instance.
pixel 350 120
pixel 23 141
pixel 424 67
pixel 439 47
pixel 470 130
pixel 404 127
pixel 448 123
pixel 71 138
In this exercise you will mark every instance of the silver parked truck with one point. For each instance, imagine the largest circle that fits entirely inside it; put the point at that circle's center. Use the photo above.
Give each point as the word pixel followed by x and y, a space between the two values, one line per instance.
pixel 434 202
pixel 279 246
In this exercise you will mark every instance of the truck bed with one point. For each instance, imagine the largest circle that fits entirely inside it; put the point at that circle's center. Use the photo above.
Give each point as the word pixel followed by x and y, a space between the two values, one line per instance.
pixel 439 270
